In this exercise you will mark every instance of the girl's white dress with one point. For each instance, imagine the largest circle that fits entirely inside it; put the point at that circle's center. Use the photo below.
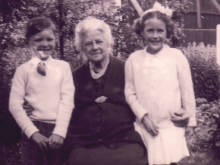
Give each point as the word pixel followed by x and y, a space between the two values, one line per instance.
pixel 159 85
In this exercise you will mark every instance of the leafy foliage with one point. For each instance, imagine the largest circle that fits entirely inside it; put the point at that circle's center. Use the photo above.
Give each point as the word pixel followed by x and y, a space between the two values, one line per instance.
pixel 121 19
pixel 204 68
pixel 206 135
pixel 128 40
pixel 203 140
pixel 14 52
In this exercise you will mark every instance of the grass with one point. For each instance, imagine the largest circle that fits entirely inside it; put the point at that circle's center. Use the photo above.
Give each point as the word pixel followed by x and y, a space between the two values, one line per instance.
pixel 210 157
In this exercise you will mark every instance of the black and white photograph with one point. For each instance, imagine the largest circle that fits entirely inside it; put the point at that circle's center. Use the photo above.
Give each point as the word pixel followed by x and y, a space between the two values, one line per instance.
pixel 109 82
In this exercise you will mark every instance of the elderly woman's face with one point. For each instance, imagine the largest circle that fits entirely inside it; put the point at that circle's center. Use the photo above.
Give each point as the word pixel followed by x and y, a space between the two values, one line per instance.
pixel 44 41
pixel 95 46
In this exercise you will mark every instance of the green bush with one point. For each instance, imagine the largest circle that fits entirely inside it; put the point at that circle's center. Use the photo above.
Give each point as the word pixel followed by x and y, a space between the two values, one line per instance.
pixel 204 70
pixel 203 140
pixel 205 135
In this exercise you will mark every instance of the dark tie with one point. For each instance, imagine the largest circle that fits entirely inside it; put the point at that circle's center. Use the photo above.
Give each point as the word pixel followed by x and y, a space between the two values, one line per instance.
pixel 41 68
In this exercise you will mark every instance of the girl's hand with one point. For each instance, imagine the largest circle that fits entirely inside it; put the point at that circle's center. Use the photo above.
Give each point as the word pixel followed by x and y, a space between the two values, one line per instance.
pixel 55 141
pixel 179 116
pixel 40 140
pixel 180 119
pixel 150 126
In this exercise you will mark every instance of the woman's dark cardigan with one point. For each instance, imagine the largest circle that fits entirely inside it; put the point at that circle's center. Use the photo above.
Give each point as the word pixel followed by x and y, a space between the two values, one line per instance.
pixel 109 123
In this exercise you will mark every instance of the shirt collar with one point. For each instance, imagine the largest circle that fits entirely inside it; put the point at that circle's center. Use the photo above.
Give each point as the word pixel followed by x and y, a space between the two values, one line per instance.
pixel 165 46
pixel 35 60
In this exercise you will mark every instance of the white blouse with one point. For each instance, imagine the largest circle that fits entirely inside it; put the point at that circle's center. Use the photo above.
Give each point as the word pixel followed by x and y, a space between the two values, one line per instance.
pixel 159 85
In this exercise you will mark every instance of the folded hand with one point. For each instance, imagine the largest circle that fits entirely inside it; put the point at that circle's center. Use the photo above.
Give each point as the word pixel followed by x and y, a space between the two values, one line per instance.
pixel 55 141
pixel 28 108
pixel 40 140
pixel 180 119
pixel 150 126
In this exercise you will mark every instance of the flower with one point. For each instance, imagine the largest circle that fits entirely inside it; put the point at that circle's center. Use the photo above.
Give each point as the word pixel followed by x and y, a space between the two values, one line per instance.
pixel 158 7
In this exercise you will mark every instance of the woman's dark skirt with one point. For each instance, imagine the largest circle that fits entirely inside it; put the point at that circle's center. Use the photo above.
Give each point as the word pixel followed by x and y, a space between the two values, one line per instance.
pixel 124 154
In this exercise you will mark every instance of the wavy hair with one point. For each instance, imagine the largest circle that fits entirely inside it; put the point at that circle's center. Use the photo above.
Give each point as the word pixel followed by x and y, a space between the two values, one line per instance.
pixel 174 33
pixel 92 23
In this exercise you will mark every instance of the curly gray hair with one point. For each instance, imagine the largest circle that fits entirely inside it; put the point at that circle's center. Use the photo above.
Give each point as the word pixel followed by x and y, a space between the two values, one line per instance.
pixel 92 23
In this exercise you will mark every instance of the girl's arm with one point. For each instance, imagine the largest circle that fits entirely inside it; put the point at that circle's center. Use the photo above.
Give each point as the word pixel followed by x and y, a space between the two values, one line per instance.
pixel 130 91
pixel 16 101
pixel 186 89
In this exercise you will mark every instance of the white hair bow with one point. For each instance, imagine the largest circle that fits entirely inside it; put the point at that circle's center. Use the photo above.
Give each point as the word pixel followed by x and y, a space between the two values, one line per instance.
pixel 158 7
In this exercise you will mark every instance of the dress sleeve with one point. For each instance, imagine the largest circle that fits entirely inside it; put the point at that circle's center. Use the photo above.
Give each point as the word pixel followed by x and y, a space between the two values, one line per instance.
pixel 66 102
pixel 16 100
pixel 186 88
pixel 130 91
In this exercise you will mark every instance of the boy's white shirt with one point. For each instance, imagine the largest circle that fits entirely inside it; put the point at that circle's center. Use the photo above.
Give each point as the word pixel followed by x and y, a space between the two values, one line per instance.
pixel 51 96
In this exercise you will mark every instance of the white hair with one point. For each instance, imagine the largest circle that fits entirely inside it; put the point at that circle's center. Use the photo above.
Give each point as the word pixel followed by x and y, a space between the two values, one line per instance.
pixel 88 24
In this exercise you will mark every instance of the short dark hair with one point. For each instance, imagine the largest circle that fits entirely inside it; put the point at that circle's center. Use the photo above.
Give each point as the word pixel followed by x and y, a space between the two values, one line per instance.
pixel 37 25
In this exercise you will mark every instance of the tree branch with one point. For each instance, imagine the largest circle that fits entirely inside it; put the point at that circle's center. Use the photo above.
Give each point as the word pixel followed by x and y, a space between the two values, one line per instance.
pixel 137 7
pixel 216 4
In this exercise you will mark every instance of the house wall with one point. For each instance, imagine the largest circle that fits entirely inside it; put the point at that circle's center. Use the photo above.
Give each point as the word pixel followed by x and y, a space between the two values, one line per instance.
pixel 210 18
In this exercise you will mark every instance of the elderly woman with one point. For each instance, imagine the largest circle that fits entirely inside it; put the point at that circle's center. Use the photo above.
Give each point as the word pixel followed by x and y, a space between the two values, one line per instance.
pixel 101 131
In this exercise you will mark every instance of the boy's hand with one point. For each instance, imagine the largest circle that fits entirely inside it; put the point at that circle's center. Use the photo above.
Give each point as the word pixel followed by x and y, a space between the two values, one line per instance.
pixel 150 126
pixel 55 141
pixel 41 140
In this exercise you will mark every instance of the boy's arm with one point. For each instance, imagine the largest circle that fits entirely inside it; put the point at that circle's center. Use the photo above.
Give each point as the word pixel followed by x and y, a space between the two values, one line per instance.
pixel 16 101
pixel 66 103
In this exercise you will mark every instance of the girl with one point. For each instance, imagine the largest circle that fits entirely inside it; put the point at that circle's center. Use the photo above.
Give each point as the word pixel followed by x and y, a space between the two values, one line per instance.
pixel 45 85
pixel 159 89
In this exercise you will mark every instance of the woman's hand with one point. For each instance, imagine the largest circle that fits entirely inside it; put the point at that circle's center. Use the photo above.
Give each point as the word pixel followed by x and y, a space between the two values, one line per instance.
pixel 101 99
pixel 180 119
pixel 55 141
pixel 40 140
pixel 150 126
pixel 28 108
